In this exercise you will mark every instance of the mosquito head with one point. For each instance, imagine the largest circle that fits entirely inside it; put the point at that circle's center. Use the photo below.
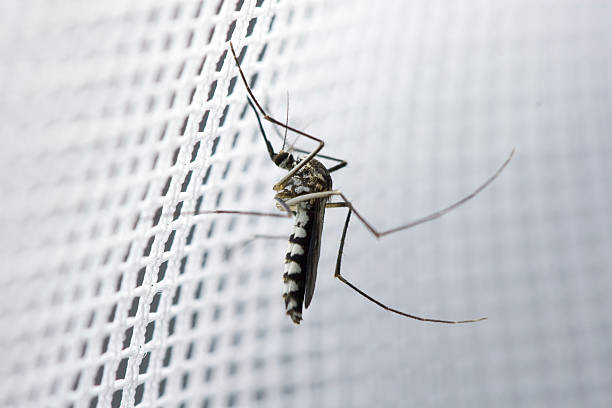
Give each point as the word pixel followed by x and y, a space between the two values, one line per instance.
pixel 284 160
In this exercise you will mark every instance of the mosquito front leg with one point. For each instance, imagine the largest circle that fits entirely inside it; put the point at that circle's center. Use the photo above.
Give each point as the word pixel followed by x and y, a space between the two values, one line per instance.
pixel 278 186
pixel 341 163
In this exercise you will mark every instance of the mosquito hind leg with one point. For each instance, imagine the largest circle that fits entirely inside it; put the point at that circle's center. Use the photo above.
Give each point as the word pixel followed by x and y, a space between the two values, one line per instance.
pixel 342 279
pixel 427 218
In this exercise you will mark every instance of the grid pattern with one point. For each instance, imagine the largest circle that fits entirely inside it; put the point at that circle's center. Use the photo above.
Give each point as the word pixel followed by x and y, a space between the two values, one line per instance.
pixel 123 120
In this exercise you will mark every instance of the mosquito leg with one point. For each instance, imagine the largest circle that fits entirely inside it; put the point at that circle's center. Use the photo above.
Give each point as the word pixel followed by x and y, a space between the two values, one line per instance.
pixel 265 236
pixel 282 204
pixel 281 183
pixel 252 213
pixel 337 205
pixel 370 298
pixel 262 236
pixel 255 213
pixel 312 196
pixel 374 231
pixel 338 166
pixel 414 223
pixel 263 132
pixel 285 206
pixel 286 123
pixel 341 163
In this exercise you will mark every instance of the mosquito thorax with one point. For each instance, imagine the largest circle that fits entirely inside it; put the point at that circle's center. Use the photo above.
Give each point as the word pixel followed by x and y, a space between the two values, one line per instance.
pixel 284 160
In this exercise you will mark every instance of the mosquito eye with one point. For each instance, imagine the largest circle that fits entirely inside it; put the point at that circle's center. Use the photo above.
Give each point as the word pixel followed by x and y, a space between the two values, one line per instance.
pixel 278 159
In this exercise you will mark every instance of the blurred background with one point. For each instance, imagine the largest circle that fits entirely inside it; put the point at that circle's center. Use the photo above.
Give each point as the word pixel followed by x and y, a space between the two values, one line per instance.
pixel 121 120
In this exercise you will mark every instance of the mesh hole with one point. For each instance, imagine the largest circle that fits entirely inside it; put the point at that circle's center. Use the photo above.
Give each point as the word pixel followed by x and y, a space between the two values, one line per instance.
pixel 167 357
pixel 177 296
pixel 144 363
pixel 171 326
pixel 162 387
pixel 155 302
pixel 230 31
pixel 209 374
pixel 117 397
pixel 169 241
pixel 149 331
pixel 75 383
pixel 185 380
pixel 134 308
pixel 166 187
pixel 190 351
pixel 139 394
pixel 161 274
pixel 127 338
pixel 121 369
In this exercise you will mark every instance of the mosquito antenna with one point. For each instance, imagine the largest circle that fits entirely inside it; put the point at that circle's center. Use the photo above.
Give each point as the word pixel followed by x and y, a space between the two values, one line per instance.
pixel 286 122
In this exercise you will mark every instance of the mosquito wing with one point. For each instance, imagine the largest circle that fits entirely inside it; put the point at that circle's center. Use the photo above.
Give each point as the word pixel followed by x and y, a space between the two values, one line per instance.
pixel 314 248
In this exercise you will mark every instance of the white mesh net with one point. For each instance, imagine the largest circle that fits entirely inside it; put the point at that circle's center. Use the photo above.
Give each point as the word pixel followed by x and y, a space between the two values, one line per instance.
pixel 122 119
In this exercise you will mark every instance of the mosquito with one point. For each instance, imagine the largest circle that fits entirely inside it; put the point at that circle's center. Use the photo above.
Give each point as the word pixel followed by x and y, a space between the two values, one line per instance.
pixel 304 193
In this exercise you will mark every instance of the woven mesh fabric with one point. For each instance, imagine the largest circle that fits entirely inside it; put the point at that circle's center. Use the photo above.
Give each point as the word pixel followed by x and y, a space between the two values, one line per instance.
pixel 121 120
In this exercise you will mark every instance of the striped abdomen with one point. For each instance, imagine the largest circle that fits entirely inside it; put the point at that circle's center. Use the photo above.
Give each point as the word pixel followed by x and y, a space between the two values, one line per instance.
pixel 296 259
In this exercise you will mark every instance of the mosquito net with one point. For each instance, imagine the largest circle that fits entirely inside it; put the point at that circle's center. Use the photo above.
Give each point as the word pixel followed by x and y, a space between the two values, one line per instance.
pixel 123 121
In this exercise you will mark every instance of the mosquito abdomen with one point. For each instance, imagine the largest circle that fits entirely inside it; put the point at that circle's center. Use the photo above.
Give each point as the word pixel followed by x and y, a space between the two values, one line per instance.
pixel 294 277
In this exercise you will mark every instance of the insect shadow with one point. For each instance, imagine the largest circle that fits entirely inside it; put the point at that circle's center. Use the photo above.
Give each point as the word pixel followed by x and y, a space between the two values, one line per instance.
pixel 304 193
